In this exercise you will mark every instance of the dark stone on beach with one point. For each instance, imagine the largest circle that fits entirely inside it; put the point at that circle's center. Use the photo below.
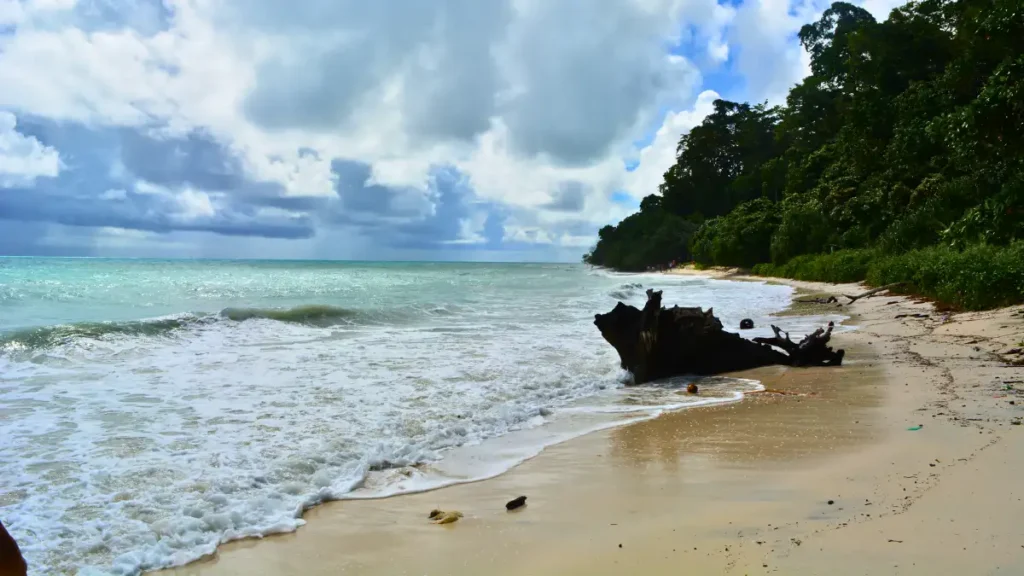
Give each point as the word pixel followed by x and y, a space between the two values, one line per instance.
pixel 746 324
pixel 831 502
pixel 657 342
pixel 692 388
pixel 517 503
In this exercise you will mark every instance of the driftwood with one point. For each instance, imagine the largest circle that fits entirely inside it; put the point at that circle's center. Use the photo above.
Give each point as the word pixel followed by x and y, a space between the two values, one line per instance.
pixel 829 300
pixel 658 342
pixel 834 300
pixel 813 350
pixel 871 292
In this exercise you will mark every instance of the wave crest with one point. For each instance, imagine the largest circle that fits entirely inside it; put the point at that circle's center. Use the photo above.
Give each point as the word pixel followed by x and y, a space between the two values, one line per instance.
pixel 51 336
pixel 313 314
pixel 317 315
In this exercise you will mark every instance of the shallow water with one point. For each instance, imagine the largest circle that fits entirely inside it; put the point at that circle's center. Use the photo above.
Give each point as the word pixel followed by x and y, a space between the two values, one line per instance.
pixel 151 410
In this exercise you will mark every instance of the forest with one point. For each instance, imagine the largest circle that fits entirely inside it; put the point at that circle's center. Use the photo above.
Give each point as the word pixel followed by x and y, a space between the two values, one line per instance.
pixel 900 158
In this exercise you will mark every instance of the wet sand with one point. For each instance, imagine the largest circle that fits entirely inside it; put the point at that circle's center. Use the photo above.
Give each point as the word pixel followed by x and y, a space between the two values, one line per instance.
pixel 742 488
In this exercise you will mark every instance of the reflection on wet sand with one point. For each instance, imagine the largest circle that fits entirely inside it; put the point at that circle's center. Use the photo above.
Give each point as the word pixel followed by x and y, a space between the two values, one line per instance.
pixel 822 410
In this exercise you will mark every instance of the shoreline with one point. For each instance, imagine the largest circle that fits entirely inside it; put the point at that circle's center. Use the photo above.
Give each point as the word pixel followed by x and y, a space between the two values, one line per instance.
pixel 738 488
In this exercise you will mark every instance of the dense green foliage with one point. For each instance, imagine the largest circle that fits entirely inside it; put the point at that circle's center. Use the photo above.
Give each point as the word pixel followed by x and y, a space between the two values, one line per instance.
pixel 976 278
pixel 908 134
pixel 840 266
pixel 651 235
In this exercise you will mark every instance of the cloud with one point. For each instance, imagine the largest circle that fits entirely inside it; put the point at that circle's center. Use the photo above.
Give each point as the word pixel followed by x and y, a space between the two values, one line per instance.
pixel 880 9
pixel 767 54
pixel 345 128
pixel 23 158
pixel 446 213
pixel 333 60
pixel 569 197
pixel 128 178
pixel 655 159
pixel 573 96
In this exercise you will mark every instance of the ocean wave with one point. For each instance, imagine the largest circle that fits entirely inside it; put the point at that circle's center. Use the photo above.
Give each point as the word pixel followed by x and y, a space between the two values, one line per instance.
pixel 316 315
pixel 625 291
pixel 51 336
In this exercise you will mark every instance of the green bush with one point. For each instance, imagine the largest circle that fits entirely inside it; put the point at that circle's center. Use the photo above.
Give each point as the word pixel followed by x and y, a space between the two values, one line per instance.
pixel 978 278
pixel 838 267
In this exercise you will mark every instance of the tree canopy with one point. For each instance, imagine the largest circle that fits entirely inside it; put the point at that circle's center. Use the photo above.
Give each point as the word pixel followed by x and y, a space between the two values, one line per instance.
pixel 908 133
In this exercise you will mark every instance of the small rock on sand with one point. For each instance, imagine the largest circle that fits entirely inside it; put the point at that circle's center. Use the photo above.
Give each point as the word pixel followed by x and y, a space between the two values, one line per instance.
pixel 516 503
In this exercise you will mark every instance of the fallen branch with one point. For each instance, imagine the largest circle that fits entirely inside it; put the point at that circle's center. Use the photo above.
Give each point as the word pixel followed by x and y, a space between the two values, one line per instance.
pixel 871 292
pixel 812 350
pixel 829 300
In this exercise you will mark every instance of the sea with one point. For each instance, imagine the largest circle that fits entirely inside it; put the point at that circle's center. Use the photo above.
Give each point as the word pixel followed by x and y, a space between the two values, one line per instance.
pixel 153 409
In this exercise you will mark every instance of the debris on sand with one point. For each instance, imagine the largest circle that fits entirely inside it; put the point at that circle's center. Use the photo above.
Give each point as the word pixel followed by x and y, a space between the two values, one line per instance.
pixel 516 503
pixel 448 517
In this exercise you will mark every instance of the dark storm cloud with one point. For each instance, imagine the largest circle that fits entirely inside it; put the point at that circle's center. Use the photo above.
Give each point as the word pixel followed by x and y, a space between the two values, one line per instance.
pixel 448 202
pixel 18 238
pixel 98 185
pixel 317 82
pixel 569 79
pixel 569 197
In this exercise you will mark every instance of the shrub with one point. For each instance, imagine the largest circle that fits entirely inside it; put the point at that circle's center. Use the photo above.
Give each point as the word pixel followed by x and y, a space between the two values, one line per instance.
pixel 838 267
pixel 977 278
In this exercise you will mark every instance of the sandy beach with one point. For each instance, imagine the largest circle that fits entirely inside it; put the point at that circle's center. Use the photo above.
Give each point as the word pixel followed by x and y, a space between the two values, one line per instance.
pixel 832 477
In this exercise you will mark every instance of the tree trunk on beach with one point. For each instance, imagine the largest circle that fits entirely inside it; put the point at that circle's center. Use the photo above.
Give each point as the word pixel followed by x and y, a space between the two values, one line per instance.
pixel 658 342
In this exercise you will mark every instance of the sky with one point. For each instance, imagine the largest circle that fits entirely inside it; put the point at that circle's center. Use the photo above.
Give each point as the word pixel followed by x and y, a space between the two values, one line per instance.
pixel 478 130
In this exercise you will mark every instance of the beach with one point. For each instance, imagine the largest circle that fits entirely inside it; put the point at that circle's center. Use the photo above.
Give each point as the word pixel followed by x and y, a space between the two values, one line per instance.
pixel 905 460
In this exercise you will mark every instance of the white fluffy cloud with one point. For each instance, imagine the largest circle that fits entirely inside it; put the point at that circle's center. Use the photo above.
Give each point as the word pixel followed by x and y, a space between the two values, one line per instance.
pixel 655 159
pixel 23 158
pixel 534 103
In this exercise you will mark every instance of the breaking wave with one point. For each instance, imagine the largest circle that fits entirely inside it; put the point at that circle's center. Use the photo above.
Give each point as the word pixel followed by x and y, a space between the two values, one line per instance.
pixel 316 315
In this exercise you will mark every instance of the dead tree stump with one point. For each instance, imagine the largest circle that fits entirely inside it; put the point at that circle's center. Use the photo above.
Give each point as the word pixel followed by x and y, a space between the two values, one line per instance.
pixel 657 342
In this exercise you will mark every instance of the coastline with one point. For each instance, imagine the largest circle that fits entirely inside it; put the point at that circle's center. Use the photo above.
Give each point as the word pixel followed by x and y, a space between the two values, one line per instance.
pixel 739 488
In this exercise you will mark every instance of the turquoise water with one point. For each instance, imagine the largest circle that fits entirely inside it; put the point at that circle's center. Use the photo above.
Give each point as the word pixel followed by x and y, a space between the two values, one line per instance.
pixel 152 409
pixel 36 292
